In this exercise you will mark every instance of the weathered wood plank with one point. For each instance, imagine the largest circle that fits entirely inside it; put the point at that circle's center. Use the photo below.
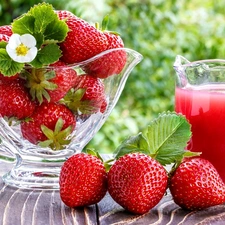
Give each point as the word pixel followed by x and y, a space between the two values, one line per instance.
pixel 36 207
pixel 165 213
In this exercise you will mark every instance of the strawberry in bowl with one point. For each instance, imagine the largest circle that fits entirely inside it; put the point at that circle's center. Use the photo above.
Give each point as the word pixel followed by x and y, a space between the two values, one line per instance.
pixel 52 98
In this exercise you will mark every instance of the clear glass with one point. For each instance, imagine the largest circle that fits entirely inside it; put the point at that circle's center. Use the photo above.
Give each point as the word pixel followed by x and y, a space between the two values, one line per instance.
pixel 38 168
pixel 200 96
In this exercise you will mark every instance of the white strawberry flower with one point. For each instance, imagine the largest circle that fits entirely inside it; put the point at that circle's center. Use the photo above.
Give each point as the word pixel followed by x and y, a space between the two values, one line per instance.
pixel 22 48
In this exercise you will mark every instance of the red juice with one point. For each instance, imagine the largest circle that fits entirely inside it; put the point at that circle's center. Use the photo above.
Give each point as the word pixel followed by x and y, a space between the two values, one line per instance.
pixel 204 108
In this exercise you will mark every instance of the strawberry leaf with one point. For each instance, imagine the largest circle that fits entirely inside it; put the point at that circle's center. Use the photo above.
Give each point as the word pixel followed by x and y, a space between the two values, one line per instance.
pixel 8 67
pixel 132 144
pixel 164 139
pixel 43 14
pixel 56 30
pixel 3 44
pixel 23 25
pixel 167 137
pixel 47 55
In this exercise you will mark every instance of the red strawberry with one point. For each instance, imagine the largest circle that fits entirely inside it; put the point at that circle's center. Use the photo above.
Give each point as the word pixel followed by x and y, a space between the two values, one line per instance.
pixel 15 100
pixel 83 41
pixel 6 30
pixel 52 83
pixel 4 37
pixel 137 182
pixel 197 185
pixel 46 120
pixel 87 96
pixel 83 180
pixel 65 79
pixel 111 63
pixel 64 14
pixel 6 78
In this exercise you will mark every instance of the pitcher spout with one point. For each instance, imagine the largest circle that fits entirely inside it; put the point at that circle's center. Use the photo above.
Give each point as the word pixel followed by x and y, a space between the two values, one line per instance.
pixel 180 61
pixel 180 69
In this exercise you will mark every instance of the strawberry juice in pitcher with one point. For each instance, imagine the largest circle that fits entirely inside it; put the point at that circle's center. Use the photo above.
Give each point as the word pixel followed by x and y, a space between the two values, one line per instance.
pixel 200 96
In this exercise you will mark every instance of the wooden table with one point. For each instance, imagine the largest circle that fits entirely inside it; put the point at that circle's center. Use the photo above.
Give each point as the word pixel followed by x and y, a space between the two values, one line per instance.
pixel 28 207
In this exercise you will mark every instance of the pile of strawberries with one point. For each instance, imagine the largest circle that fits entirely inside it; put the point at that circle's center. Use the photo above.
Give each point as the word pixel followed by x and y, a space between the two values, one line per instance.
pixel 47 101
pixel 138 182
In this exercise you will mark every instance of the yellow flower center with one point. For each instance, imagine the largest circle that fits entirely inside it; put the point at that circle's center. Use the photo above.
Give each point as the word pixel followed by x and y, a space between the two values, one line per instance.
pixel 22 50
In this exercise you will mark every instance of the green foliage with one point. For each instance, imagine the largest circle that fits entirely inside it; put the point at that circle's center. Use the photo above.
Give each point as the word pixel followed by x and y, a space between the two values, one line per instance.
pixel 159 30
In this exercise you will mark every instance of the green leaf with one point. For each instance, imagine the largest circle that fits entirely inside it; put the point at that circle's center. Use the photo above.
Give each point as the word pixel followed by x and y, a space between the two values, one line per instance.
pixel 8 67
pixel 24 25
pixel 132 144
pixel 56 31
pixel 167 137
pixel 39 39
pixel 47 55
pixel 3 44
pixel 43 14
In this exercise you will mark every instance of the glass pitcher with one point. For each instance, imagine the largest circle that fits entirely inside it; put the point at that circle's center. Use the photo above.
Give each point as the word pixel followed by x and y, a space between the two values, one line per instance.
pixel 200 96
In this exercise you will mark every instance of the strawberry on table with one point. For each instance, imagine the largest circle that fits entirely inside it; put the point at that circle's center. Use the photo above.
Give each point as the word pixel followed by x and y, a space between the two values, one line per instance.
pixel 50 124
pixel 137 182
pixel 15 100
pixel 83 180
pixel 196 185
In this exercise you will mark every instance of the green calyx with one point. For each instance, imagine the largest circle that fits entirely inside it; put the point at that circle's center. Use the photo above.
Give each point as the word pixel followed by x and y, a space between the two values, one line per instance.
pixel 73 100
pixel 164 139
pixel 104 26
pixel 38 82
pixel 57 138
pixel 43 24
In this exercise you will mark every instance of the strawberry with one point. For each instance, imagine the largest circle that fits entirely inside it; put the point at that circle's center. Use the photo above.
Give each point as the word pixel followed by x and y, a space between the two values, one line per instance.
pixel 83 41
pixel 51 122
pixel 87 96
pixel 196 185
pixel 65 79
pixel 83 180
pixel 4 37
pixel 6 30
pixel 111 63
pixel 64 14
pixel 137 182
pixel 6 78
pixel 52 83
pixel 15 100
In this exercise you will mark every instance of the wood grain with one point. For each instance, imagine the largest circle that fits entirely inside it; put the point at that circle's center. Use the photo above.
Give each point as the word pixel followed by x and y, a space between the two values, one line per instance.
pixel 32 207
pixel 165 213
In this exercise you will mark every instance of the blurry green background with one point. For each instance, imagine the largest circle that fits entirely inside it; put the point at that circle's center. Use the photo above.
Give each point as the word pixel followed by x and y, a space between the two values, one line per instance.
pixel 159 30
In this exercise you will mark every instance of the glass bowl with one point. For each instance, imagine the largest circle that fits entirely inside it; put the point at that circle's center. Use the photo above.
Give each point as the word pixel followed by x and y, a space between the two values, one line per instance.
pixel 37 165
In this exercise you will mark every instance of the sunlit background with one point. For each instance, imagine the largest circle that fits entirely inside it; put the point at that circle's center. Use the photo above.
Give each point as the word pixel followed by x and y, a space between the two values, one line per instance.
pixel 159 30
